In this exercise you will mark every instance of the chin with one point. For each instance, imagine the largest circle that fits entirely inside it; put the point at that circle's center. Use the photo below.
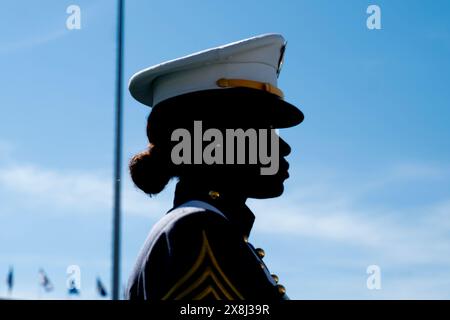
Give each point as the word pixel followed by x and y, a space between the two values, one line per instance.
pixel 268 191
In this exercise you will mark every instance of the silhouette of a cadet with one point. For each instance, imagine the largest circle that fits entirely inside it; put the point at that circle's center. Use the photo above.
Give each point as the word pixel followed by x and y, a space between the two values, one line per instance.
pixel 200 248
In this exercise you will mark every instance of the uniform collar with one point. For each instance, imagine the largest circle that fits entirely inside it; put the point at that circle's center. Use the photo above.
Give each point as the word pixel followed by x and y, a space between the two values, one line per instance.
pixel 235 210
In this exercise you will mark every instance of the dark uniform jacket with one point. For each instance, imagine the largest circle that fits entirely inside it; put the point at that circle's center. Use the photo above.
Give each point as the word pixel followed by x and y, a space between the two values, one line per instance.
pixel 199 250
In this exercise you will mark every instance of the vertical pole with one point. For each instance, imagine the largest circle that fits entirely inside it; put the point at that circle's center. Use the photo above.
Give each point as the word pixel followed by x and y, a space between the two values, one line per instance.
pixel 118 158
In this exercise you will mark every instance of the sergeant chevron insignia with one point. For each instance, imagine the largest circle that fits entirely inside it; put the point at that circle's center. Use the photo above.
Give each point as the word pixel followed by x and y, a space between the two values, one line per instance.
pixel 203 279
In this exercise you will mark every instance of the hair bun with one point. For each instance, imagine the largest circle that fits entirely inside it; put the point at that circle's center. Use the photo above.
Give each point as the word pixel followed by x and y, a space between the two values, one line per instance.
pixel 149 171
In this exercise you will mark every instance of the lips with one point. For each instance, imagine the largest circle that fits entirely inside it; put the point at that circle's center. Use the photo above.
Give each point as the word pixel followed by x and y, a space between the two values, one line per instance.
pixel 284 168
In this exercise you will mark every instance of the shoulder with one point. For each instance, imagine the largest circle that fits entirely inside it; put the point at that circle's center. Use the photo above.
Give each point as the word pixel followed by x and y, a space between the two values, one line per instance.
pixel 191 216
pixel 171 239
pixel 179 227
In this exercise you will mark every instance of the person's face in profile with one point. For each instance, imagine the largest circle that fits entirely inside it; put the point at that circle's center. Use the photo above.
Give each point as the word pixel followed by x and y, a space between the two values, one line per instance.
pixel 263 180
pixel 249 162
pixel 262 186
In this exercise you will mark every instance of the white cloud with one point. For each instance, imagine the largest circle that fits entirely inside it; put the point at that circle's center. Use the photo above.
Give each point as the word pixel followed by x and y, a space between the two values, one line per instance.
pixel 66 189
pixel 339 215
pixel 317 220
pixel 320 211
pixel 384 233
pixel 341 233
pixel 71 191
pixel 326 212
pixel 418 171
pixel 33 42
pixel 402 173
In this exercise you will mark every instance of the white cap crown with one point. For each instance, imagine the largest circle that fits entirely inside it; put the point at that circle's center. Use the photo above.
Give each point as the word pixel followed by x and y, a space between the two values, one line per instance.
pixel 253 63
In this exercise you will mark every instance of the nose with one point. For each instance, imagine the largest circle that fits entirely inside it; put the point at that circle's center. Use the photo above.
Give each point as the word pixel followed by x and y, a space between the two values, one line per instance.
pixel 285 149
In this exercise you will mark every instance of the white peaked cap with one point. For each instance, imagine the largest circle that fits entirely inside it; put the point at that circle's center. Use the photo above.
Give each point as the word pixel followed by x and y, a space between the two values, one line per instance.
pixel 253 63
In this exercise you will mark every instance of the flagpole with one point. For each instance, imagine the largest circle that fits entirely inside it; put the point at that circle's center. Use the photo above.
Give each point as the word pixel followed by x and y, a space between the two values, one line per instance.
pixel 117 160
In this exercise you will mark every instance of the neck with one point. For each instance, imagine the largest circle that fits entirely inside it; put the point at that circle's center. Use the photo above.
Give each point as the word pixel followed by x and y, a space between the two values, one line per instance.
pixel 201 186
pixel 227 200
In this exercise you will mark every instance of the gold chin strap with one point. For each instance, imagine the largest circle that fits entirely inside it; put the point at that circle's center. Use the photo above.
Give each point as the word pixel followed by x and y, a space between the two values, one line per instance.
pixel 264 86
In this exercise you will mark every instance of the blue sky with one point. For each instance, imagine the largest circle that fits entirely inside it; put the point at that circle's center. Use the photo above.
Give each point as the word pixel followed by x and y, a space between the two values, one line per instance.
pixel 370 165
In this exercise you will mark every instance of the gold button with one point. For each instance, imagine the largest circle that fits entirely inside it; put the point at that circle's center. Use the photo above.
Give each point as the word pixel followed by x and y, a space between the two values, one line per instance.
pixel 281 289
pixel 245 238
pixel 275 278
pixel 214 194
pixel 260 252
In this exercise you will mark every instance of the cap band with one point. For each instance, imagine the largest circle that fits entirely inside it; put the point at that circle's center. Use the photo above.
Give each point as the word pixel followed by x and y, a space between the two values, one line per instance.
pixel 226 83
